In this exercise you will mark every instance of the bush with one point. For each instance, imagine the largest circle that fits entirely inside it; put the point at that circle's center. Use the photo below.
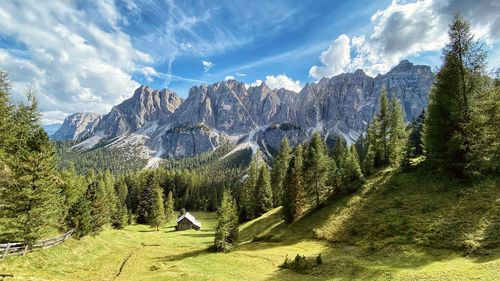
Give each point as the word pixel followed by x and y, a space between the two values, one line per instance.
pixel 301 264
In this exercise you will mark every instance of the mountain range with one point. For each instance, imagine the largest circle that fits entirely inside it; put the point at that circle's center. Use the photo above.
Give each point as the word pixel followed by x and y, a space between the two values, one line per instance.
pixel 163 125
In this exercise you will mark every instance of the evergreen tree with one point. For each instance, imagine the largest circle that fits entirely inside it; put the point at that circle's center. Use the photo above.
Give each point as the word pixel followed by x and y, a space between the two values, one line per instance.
pixel 146 196
pixel 316 167
pixel 352 177
pixel 483 157
pixel 382 132
pixel 6 122
pixel 397 134
pixel 119 217
pixel 415 137
pixel 158 210
pixel 30 200
pixel 247 193
pixel 279 171
pixel 264 193
pixel 371 148
pixel 226 231
pixel 99 206
pixel 169 206
pixel 80 218
pixel 293 195
pixel 445 138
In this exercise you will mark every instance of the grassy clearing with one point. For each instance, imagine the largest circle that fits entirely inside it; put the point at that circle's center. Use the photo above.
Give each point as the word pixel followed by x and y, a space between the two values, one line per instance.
pixel 407 227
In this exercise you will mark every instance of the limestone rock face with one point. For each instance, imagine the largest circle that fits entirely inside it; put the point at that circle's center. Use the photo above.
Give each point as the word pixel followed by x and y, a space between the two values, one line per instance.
pixel 132 114
pixel 342 105
pixel 76 126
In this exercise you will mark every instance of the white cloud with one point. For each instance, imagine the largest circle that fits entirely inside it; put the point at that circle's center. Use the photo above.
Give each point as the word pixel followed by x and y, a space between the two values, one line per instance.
pixel 73 63
pixel 278 82
pixel 402 30
pixel 240 74
pixel 334 59
pixel 229 77
pixel 207 65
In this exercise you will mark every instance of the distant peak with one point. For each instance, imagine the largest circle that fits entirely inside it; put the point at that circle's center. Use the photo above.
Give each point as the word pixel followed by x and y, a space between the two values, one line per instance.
pixel 359 72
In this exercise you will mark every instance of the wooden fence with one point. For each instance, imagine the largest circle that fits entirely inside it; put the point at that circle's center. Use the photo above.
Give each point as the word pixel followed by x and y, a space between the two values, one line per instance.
pixel 20 249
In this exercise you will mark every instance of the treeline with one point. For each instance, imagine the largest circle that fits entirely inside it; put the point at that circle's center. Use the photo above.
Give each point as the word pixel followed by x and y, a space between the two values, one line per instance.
pixel 116 160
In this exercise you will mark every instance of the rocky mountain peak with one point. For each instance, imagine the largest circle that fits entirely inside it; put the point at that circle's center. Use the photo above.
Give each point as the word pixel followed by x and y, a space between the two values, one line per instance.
pixel 76 126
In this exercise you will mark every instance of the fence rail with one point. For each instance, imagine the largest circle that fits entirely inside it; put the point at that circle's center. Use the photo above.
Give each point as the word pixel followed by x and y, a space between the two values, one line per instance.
pixel 20 249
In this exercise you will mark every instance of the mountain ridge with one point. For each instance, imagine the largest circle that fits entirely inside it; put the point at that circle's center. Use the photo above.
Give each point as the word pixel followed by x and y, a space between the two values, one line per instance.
pixel 164 125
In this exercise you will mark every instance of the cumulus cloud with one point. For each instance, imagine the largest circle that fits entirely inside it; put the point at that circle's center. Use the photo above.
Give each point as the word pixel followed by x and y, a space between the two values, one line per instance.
pixel 405 29
pixel 334 59
pixel 229 77
pixel 73 63
pixel 278 82
pixel 207 65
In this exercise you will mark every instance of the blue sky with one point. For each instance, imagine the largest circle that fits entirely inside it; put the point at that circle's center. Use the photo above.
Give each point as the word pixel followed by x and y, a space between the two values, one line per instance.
pixel 91 55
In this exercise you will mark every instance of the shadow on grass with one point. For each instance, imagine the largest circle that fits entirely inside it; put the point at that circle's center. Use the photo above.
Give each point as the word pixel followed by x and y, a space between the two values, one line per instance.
pixel 192 254
pixel 197 235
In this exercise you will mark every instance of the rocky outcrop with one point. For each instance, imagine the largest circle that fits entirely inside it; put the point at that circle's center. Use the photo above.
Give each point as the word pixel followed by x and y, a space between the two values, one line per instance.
pixel 145 105
pixel 76 126
pixel 342 105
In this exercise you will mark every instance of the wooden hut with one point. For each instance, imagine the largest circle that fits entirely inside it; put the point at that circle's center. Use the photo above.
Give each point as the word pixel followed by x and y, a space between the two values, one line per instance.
pixel 187 221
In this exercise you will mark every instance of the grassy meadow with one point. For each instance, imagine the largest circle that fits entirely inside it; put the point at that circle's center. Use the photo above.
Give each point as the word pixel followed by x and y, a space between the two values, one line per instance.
pixel 403 227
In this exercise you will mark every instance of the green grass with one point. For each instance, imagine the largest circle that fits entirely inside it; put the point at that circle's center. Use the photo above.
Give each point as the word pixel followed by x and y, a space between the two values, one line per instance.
pixel 404 227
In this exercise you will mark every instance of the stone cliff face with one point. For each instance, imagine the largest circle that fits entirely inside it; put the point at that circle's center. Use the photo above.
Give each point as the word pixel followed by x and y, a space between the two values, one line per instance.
pixel 144 106
pixel 258 116
pixel 76 126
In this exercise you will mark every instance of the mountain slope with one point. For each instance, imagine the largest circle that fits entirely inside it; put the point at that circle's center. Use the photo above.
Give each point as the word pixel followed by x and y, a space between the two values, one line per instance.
pixel 77 126
pixel 162 125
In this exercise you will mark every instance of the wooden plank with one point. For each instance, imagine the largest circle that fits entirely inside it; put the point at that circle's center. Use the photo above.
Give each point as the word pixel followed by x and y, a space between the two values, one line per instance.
pixel 6 251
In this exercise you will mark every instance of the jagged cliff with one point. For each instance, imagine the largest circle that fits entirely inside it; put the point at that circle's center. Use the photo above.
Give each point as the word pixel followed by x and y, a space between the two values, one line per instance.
pixel 167 126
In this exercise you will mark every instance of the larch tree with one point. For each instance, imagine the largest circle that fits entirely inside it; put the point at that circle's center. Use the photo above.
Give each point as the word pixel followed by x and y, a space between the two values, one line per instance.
pixel 30 203
pixel 264 194
pixel 398 133
pixel 316 167
pixel 169 206
pixel 293 195
pixel 279 171
pixel 157 218
pixel 226 231
pixel 447 141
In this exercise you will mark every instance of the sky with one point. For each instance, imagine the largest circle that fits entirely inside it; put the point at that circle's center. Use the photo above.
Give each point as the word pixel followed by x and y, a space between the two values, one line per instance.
pixel 86 56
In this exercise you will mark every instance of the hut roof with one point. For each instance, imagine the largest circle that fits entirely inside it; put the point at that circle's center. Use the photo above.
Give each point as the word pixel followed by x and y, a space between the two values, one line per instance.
pixel 189 217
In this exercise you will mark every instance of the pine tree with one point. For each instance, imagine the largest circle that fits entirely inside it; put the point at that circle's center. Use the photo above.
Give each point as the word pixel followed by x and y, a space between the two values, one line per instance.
pixel 483 157
pixel 415 137
pixel 226 231
pixel 119 217
pixel 293 195
pixel 279 171
pixel 264 193
pixel 316 167
pixel 445 137
pixel 145 200
pixel 158 210
pixel 382 134
pixel 397 134
pixel 6 122
pixel 99 206
pixel 80 218
pixel 247 193
pixel 30 201
pixel 352 176
pixel 169 206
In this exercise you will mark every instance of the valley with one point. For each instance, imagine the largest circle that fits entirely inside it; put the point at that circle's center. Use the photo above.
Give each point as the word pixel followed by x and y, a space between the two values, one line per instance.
pixel 382 250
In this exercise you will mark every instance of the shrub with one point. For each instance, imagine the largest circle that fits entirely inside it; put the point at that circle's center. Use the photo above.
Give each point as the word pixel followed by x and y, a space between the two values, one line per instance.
pixel 301 264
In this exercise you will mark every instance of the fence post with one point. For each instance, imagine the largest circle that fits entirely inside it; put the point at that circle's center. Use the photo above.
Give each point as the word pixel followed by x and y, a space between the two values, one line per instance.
pixel 25 249
pixel 6 251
